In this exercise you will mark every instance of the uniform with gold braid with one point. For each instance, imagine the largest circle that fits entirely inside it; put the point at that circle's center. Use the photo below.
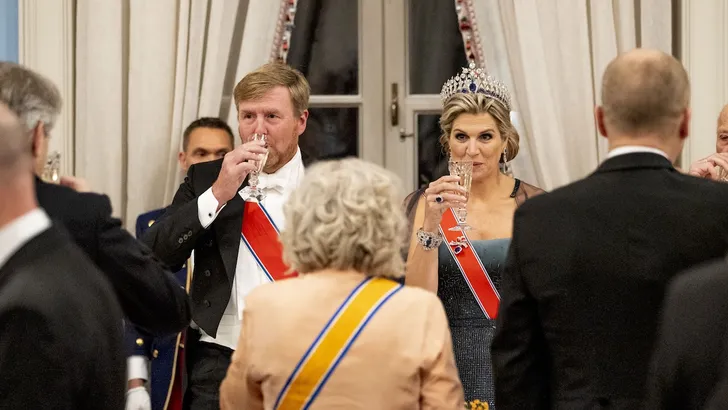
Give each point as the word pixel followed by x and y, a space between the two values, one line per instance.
pixel 166 354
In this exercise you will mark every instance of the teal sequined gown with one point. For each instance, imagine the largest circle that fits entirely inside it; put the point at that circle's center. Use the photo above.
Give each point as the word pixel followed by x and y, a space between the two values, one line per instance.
pixel 472 332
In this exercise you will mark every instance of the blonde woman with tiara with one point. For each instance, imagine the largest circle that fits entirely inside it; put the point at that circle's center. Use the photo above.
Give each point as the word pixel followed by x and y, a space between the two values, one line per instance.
pixel 464 266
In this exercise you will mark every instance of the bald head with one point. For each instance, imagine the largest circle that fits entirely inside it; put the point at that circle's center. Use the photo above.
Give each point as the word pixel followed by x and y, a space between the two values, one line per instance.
pixel 15 154
pixel 721 143
pixel 645 92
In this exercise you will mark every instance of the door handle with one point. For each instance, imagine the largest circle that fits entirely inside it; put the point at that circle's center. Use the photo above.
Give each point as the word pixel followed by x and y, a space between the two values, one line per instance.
pixel 403 135
pixel 394 113
pixel 394 106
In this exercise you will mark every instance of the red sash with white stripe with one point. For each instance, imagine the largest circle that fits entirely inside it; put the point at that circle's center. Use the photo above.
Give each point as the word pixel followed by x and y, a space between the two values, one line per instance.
pixel 260 235
pixel 470 266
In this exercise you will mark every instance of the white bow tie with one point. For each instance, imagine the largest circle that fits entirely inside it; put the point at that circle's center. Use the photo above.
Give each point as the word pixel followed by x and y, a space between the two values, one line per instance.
pixel 270 182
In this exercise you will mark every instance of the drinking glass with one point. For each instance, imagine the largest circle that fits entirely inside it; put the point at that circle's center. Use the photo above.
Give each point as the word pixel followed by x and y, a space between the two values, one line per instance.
pixel 464 170
pixel 722 173
pixel 251 191
pixel 52 168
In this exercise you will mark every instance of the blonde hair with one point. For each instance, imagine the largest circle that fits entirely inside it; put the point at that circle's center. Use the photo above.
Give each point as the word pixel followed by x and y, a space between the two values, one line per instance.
pixel 345 215
pixel 469 103
pixel 254 85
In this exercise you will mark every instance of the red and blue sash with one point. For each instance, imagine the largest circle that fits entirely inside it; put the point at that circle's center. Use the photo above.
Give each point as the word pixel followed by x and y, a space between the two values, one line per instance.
pixel 260 235
pixel 470 266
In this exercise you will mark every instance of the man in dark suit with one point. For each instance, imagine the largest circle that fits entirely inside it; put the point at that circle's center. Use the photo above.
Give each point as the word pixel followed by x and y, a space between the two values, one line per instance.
pixel 148 292
pixel 691 354
pixel 60 323
pixel 206 216
pixel 589 263
pixel 205 139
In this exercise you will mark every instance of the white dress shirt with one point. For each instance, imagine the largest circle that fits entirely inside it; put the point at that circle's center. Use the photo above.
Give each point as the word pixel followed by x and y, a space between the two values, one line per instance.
pixel 18 232
pixel 631 149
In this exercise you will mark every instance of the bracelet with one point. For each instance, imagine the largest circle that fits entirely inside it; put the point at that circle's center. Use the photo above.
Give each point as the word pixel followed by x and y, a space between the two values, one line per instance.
pixel 428 240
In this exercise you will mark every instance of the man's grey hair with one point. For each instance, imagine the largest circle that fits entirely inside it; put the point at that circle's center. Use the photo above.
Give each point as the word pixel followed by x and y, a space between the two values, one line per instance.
pixel 13 143
pixel 31 96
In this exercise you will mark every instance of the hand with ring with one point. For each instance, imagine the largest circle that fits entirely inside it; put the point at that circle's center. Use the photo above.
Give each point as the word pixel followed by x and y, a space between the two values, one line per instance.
pixel 440 195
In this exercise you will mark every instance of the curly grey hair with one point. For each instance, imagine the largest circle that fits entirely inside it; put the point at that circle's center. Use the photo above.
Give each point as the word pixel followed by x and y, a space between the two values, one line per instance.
pixel 32 97
pixel 345 215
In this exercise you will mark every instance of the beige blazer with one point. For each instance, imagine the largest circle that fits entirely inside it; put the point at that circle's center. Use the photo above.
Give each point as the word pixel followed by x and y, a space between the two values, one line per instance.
pixel 402 359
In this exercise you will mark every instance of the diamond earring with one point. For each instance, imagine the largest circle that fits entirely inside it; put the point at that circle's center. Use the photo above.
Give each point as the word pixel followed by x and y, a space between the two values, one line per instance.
pixel 505 165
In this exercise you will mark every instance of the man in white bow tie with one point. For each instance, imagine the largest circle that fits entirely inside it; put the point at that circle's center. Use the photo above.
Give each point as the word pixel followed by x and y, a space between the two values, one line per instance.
pixel 234 238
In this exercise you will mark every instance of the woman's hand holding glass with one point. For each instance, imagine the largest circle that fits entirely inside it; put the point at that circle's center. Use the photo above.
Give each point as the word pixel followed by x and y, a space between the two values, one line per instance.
pixel 440 195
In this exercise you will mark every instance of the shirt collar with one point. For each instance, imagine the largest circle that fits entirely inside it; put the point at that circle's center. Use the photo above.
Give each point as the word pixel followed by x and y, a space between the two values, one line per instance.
pixel 285 178
pixel 18 232
pixel 631 149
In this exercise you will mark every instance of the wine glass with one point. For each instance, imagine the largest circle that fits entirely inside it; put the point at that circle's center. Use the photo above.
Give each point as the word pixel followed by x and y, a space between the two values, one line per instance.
pixel 722 173
pixel 464 170
pixel 251 191
pixel 52 168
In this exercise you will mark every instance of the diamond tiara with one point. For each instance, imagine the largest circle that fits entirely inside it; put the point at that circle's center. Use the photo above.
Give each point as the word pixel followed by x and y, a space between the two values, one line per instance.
pixel 474 80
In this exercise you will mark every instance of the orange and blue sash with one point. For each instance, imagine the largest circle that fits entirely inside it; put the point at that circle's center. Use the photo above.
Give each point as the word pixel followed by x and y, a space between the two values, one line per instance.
pixel 470 266
pixel 260 235
pixel 333 342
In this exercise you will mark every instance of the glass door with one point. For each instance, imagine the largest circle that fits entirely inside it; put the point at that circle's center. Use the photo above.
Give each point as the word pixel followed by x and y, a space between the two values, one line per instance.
pixel 376 68
pixel 423 49
pixel 337 45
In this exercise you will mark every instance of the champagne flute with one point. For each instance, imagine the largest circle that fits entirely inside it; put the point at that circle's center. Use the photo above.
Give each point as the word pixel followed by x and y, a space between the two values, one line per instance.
pixel 722 173
pixel 464 170
pixel 52 168
pixel 251 191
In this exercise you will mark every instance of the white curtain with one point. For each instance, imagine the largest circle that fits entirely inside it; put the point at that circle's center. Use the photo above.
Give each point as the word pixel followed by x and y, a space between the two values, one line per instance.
pixel 552 56
pixel 144 71
pixel 262 23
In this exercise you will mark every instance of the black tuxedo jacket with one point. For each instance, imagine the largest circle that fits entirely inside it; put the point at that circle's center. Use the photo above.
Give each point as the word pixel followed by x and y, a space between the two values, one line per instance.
pixel 60 330
pixel 148 292
pixel 692 349
pixel 585 278
pixel 179 232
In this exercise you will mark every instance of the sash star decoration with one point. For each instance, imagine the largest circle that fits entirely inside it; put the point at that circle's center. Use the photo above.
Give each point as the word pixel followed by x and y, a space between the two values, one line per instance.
pixel 474 80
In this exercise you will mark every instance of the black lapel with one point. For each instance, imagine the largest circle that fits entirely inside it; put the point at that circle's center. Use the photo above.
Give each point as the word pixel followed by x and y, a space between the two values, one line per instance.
pixel 227 227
